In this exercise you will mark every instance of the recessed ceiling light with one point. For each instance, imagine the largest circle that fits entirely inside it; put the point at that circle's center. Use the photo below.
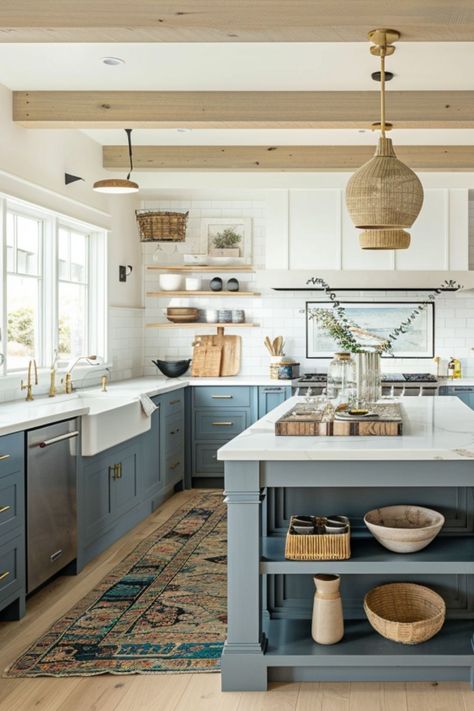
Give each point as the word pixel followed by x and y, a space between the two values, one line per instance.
pixel 361 130
pixel 184 130
pixel 112 61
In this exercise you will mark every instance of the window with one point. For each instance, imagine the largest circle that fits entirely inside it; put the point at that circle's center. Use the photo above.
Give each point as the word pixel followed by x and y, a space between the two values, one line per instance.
pixel 54 300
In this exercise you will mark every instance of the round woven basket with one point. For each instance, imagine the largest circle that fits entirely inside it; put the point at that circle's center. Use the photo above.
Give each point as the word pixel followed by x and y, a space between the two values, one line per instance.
pixel 405 612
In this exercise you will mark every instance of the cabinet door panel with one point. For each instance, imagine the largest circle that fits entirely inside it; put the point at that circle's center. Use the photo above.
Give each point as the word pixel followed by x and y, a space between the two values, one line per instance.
pixel 152 470
pixel 269 397
pixel 429 247
pixel 315 229
pixel 98 499
pixel 11 503
pixel 125 488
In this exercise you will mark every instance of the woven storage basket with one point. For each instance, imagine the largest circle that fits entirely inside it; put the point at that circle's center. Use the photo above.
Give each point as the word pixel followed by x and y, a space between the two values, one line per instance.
pixel 405 612
pixel 327 546
pixel 384 193
pixel 158 226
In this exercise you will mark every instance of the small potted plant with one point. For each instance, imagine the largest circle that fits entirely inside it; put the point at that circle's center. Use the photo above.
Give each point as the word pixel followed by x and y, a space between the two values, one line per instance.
pixel 226 244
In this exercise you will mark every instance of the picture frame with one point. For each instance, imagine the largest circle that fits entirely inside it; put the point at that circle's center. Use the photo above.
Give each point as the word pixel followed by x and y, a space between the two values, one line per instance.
pixel 380 318
pixel 242 226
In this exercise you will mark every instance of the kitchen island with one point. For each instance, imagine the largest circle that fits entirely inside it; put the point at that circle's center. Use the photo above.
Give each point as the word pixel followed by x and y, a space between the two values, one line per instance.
pixel 269 478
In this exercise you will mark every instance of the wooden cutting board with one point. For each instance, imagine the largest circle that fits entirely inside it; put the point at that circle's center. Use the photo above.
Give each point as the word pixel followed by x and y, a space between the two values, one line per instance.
pixel 230 347
pixel 311 425
pixel 207 359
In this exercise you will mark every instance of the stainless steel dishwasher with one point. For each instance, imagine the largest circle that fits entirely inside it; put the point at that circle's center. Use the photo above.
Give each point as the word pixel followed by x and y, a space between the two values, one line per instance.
pixel 51 499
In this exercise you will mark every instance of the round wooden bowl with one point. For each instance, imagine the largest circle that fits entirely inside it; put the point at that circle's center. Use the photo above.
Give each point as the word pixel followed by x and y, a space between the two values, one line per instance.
pixel 404 528
pixel 181 311
pixel 405 612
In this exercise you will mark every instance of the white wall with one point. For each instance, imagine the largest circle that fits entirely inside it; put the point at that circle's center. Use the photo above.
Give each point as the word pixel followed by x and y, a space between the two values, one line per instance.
pixel 124 248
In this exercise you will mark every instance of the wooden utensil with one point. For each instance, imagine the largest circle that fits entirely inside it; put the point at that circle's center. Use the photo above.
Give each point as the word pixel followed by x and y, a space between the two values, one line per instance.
pixel 268 345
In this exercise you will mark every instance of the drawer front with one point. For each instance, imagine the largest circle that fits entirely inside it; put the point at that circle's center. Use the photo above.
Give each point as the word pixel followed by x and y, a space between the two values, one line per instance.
pixel 234 396
pixel 174 468
pixel 205 460
pixel 12 453
pixel 173 403
pixel 221 424
pixel 174 434
pixel 12 506
pixel 12 566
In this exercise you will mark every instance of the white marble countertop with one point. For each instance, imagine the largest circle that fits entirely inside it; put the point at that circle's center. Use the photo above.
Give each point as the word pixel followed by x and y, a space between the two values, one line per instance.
pixel 20 415
pixel 433 428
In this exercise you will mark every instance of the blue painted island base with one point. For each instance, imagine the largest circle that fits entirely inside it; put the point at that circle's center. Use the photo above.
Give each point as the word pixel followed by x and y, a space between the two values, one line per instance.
pixel 270 598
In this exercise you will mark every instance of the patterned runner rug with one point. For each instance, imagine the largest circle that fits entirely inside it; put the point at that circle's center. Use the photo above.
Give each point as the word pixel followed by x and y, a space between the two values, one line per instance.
pixel 163 609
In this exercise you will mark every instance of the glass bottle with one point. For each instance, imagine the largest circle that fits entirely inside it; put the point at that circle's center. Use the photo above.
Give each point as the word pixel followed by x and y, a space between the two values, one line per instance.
pixel 341 379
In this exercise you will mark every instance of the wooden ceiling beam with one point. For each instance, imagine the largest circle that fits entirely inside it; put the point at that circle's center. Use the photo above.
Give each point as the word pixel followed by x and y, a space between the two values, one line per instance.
pixel 232 20
pixel 282 158
pixel 241 109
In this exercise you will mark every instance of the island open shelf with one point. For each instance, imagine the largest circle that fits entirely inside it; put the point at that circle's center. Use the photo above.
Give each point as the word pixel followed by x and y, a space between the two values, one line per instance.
pixel 267 479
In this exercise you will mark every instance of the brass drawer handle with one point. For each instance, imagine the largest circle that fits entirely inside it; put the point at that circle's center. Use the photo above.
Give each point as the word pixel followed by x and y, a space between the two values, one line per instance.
pixel 4 456
pixel 175 402
pixel 273 390
pixel 116 471
pixel 214 456
pixel 4 575
pixel 222 397
pixel 222 424
pixel 4 508
pixel 173 466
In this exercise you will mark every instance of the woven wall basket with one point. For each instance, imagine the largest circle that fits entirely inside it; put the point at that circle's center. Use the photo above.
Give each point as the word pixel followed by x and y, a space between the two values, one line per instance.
pixel 384 239
pixel 159 226
pixel 384 193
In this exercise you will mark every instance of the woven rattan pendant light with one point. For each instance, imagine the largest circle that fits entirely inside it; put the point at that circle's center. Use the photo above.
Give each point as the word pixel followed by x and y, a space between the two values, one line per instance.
pixel 384 197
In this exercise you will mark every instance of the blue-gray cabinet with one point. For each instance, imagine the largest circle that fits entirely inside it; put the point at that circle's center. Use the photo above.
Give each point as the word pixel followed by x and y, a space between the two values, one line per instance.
pixel 463 392
pixel 118 488
pixel 12 526
pixel 269 396
pixel 218 413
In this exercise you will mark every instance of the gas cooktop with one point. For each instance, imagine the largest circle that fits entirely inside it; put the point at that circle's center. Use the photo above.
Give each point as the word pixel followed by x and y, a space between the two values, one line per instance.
pixel 387 378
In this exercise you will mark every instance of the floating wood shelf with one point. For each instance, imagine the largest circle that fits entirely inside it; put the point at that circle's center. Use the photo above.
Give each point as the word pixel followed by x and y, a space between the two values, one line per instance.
pixel 202 293
pixel 200 324
pixel 202 268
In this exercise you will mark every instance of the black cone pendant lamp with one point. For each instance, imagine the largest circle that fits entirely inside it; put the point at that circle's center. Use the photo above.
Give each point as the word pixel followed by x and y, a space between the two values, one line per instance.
pixel 119 186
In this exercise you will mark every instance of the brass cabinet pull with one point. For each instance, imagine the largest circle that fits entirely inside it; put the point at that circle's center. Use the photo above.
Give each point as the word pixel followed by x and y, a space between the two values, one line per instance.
pixel 173 432
pixel 116 471
pixel 176 464
pixel 4 575
pixel 4 508
pixel 4 456
pixel 175 402
pixel 273 390
pixel 222 397
pixel 222 424
pixel 214 456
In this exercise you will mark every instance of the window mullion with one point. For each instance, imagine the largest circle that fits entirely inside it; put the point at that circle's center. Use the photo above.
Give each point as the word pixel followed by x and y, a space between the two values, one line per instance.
pixel 3 272
pixel 49 289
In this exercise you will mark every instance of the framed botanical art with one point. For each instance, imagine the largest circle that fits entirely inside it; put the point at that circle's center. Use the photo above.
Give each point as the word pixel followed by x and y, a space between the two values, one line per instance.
pixel 227 237
pixel 376 320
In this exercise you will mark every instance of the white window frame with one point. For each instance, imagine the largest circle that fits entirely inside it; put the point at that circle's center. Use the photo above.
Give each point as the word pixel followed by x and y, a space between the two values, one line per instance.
pixel 97 341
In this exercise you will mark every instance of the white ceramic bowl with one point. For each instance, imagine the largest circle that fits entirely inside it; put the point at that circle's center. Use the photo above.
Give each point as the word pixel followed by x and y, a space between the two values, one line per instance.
pixel 404 528
pixel 171 282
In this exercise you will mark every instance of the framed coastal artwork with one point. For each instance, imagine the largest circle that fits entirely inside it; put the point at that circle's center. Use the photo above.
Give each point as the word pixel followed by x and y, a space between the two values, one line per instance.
pixel 376 321
pixel 227 237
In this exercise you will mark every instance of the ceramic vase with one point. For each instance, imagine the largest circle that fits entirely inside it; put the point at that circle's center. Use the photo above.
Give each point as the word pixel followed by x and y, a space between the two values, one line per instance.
pixel 368 377
pixel 328 620
pixel 216 284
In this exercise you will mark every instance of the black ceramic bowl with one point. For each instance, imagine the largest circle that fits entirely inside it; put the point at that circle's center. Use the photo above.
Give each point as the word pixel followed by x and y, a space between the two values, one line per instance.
pixel 172 368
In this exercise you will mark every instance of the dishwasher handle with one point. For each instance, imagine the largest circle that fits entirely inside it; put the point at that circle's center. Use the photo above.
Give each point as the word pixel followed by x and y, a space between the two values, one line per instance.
pixel 59 438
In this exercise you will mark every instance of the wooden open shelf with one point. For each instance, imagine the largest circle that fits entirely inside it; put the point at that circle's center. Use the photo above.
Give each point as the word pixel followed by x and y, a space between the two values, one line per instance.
pixel 203 268
pixel 201 324
pixel 202 293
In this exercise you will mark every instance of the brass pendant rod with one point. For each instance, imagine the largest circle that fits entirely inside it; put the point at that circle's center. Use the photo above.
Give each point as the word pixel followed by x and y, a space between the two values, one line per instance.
pixel 383 50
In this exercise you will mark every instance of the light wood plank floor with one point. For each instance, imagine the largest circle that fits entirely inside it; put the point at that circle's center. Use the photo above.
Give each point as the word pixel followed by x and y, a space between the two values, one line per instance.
pixel 184 692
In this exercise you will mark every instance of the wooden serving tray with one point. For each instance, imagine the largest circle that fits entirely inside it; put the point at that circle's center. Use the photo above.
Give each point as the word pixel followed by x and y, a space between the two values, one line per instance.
pixel 309 424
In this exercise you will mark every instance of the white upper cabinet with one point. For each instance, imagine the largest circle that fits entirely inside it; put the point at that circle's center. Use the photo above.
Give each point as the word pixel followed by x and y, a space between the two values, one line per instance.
pixel 315 229
pixel 311 229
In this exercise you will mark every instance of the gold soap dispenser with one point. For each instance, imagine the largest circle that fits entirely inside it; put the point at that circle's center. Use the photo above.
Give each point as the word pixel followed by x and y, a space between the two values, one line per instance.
pixel 454 369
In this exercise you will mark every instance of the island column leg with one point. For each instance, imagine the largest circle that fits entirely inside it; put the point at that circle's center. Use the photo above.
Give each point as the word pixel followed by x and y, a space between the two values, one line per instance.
pixel 243 665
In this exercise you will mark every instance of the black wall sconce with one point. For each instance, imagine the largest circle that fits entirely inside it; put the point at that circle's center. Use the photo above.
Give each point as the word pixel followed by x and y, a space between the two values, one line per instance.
pixel 125 271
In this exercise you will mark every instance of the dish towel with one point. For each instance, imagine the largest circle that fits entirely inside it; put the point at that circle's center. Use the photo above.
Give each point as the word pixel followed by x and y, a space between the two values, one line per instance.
pixel 148 406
